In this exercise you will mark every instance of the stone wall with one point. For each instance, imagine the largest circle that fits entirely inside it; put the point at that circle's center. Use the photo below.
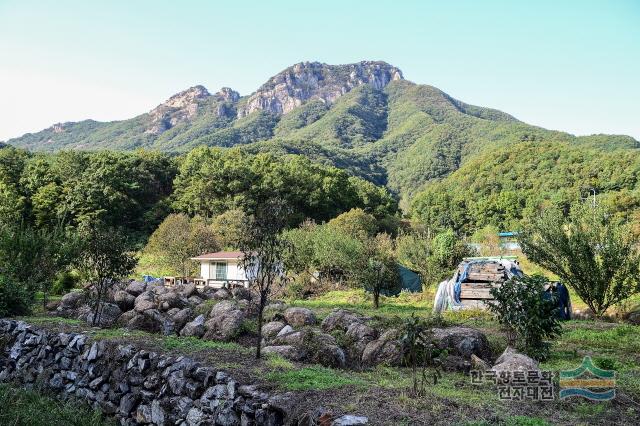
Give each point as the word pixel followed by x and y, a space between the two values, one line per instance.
pixel 135 386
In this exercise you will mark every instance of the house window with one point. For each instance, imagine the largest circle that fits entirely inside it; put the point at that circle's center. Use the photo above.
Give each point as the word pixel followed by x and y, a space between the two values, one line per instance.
pixel 221 271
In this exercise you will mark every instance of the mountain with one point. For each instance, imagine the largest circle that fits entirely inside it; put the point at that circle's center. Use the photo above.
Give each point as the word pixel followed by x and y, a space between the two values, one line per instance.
pixel 364 117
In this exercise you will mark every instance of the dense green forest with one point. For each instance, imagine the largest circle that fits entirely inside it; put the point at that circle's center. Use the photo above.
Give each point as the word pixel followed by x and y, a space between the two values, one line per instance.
pixel 137 190
pixel 506 186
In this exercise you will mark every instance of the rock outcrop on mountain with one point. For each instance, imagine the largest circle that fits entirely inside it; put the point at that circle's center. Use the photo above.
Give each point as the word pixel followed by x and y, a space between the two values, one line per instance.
pixel 177 109
pixel 312 80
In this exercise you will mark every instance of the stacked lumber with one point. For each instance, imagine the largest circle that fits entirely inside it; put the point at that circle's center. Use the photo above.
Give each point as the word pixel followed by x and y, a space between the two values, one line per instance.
pixel 481 278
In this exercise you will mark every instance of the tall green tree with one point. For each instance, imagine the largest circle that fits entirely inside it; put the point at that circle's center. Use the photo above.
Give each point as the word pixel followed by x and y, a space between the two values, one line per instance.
pixel 178 239
pixel 589 251
pixel 104 260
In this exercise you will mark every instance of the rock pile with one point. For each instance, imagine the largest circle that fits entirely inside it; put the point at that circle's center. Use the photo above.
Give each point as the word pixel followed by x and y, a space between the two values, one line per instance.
pixel 170 311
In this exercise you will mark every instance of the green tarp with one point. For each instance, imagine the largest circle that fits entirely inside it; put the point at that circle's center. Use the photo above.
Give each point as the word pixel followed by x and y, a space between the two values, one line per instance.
pixel 409 281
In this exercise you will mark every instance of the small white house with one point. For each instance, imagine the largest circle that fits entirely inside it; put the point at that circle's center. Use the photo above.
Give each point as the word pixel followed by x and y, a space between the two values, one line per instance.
pixel 222 269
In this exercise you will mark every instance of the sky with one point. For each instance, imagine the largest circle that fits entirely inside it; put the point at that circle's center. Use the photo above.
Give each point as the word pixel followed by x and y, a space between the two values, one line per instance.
pixel 564 65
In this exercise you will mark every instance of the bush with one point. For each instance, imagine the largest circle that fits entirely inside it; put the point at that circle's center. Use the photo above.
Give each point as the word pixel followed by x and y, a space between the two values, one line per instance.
pixel 520 305
pixel 64 283
pixel 15 299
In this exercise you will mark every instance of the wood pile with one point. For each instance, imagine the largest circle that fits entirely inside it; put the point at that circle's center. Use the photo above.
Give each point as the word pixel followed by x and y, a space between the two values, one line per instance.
pixel 481 278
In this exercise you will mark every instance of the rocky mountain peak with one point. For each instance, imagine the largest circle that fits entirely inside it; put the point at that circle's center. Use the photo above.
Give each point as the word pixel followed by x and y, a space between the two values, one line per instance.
pixel 178 108
pixel 227 94
pixel 314 80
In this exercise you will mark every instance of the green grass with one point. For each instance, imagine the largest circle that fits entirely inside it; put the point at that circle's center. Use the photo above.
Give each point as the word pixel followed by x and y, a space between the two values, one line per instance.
pixel 50 320
pixel 193 344
pixel 312 378
pixel 21 407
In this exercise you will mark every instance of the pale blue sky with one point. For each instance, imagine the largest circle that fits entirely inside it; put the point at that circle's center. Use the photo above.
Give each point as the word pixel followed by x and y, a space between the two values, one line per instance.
pixel 566 65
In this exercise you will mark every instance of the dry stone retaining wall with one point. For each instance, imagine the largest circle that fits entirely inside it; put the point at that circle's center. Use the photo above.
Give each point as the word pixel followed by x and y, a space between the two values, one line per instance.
pixel 136 386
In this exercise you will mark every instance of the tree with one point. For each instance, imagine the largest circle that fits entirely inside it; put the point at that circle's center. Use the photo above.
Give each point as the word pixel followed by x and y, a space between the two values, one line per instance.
pixel 522 306
pixel 34 257
pixel 588 251
pixel 178 239
pixel 355 223
pixel 103 261
pixel 377 270
pixel 227 228
pixel 263 247
pixel 432 257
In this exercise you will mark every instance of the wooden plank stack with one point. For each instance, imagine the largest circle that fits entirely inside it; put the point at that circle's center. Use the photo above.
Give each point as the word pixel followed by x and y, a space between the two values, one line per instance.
pixel 481 278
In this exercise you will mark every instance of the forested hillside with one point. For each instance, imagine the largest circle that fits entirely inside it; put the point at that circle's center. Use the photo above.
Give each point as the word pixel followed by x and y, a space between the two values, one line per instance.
pixel 367 120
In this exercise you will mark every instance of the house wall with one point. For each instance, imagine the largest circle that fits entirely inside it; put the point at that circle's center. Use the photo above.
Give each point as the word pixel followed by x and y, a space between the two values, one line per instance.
pixel 234 270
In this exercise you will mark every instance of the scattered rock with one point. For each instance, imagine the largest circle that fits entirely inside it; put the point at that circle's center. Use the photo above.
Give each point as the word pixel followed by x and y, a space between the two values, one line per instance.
pixel 124 300
pixel 271 329
pixel 350 420
pixel 194 328
pixel 462 341
pixel 241 293
pixel 512 360
pixel 286 351
pixel 224 324
pixel 385 350
pixel 71 301
pixel 340 319
pixel 144 301
pixel 106 317
pixel 222 294
pixel 299 317
pixel 136 288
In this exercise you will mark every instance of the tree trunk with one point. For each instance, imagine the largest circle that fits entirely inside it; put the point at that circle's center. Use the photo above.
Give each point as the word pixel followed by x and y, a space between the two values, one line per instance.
pixel 376 299
pixel 259 343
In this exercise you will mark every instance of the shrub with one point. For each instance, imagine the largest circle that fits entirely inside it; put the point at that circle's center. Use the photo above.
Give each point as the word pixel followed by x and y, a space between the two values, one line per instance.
pixel 420 351
pixel 65 282
pixel 15 299
pixel 520 305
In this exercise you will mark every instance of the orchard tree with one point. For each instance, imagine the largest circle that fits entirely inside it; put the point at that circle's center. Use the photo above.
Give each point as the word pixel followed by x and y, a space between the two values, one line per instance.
pixel 104 260
pixel 263 249
pixel 588 251
pixel 377 270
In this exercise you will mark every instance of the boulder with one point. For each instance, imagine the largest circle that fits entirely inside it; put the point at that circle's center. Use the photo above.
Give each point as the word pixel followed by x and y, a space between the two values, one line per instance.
pixel 323 349
pixel 170 300
pixel 181 316
pixel 340 319
pixel 136 288
pixel 463 342
pixel 350 420
pixel 512 360
pixel 52 305
pixel 124 300
pixel 124 319
pixel 188 290
pixel 71 301
pixel 289 352
pixel 222 294
pixel 224 324
pixel 194 328
pixel 152 321
pixel 195 300
pixel 287 329
pixel 144 301
pixel 385 350
pixel 299 317
pixel 241 293
pixel 271 329
pixel 222 308
pixel 107 317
